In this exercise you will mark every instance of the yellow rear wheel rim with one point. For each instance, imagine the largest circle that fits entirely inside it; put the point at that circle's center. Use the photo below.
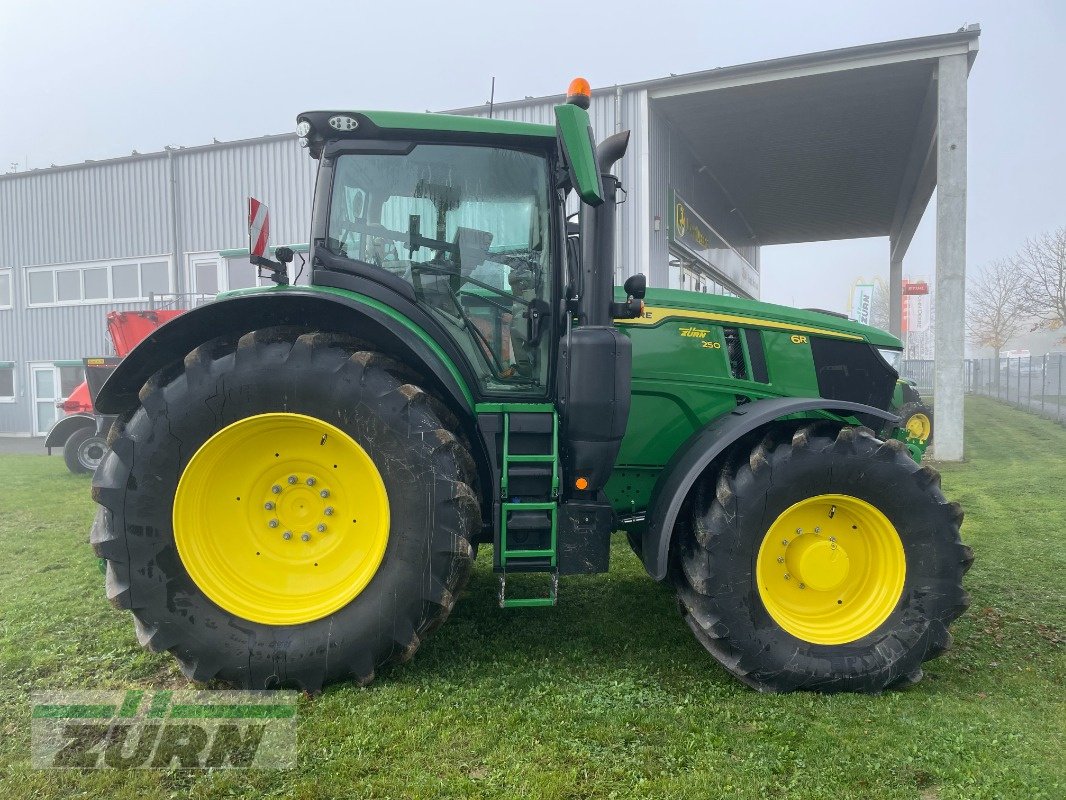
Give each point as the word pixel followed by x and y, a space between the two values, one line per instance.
pixel 830 569
pixel 919 426
pixel 281 518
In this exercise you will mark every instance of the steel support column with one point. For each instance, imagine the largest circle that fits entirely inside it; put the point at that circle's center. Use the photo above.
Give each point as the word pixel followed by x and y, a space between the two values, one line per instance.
pixel 950 256
pixel 895 293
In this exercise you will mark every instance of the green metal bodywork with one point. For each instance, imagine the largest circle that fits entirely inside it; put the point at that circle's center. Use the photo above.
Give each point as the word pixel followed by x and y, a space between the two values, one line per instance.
pixel 453 123
pixel 682 381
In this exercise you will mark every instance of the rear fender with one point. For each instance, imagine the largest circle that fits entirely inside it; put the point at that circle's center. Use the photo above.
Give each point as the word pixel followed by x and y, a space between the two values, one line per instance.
pixel 61 431
pixel 331 311
pixel 705 447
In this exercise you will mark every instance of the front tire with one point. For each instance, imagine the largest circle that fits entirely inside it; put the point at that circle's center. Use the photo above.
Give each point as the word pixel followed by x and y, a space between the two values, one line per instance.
pixel 824 560
pixel 917 420
pixel 194 512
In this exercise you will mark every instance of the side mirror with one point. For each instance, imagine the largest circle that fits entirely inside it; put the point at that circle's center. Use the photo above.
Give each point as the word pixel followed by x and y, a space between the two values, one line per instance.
pixel 574 133
pixel 636 286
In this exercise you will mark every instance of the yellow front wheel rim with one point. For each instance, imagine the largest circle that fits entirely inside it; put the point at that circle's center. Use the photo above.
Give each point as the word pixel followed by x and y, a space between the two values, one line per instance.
pixel 281 518
pixel 919 426
pixel 830 569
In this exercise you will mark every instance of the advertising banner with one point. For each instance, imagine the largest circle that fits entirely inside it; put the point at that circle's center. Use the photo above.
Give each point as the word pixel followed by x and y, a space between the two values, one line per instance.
pixel 691 233
pixel 862 300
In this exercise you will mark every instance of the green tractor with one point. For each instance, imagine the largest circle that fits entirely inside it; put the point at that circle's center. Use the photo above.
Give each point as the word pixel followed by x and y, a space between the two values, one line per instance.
pixel 300 476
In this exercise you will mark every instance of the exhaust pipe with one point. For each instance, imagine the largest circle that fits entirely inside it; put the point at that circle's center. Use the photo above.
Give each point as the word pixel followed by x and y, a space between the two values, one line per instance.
pixel 597 237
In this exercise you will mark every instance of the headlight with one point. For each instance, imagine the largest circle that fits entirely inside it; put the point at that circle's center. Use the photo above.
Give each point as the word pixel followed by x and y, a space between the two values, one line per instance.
pixel 341 122
pixel 303 127
pixel 894 358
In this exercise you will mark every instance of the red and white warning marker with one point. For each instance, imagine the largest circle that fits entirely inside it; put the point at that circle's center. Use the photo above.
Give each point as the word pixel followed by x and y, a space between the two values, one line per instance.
pixel 258 228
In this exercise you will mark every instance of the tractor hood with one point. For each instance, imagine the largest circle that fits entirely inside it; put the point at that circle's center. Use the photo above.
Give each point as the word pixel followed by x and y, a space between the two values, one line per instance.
pixel 662 303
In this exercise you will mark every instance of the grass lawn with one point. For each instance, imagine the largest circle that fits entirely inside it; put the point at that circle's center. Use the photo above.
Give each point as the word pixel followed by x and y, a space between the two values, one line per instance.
pixel 606 695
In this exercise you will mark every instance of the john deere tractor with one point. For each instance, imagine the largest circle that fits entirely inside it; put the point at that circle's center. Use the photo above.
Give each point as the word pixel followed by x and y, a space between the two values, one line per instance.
pixel 300 476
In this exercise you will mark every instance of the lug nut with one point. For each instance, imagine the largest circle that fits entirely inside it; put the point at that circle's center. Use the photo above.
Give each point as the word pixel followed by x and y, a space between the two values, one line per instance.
pixel 268 506
pixel 328 511
pixel 817 530
pixel 321 527
pixel 799 531
pixel 273 523
pixel 784 542
pixel 305 537
pixel 287 535
pixel 780 559
pixel 803 586
pixel 292 479
pixel 324 493
pixel 311 481
pixel 833 539
pixel 788 577
pixel 275 489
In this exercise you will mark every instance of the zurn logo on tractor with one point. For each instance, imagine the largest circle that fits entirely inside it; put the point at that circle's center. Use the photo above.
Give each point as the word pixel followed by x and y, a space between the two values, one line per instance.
pixel 317 465
pixel 135 729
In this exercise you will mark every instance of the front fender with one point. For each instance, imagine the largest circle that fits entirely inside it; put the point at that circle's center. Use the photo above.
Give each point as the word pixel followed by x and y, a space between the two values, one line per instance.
pixel 333 310
pixel 693 458
pixel 61 431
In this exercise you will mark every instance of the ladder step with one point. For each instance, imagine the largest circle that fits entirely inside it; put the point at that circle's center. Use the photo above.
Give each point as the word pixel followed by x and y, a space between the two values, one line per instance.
pixel 530 560
pixel 529 602
pixel 524 521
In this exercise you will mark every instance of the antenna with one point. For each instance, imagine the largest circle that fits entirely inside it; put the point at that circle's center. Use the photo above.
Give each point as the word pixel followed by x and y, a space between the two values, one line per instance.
pixel 492 95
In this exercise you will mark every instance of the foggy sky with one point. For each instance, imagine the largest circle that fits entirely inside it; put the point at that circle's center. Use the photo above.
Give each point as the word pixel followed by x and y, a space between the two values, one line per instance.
pixel 98 80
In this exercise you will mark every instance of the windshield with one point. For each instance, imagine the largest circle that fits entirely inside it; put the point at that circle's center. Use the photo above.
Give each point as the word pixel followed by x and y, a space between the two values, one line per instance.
pixel 467 227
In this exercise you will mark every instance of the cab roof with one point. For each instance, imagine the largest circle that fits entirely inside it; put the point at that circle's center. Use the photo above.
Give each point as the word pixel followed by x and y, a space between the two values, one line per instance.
pixel 356 125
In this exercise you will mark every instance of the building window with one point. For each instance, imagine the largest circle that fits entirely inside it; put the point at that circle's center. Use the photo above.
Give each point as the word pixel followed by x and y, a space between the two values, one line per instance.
pixel 7 381
pixel 70 377
pixel 5 288
pixel 100 282
pixel 211 273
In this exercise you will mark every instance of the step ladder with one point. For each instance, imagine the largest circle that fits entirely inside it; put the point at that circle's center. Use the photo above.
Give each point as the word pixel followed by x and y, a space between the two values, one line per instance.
pixel 529 498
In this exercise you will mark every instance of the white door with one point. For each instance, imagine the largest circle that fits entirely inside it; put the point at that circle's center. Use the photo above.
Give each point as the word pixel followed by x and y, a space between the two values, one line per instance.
pixel 205 275
pixel 45 386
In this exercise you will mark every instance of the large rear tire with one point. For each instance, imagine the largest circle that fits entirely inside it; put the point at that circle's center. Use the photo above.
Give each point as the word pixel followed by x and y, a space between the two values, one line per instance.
pixel 267 569
pixel 824 560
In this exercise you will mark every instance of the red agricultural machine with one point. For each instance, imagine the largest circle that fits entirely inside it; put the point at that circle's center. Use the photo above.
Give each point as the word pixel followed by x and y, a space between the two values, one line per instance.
pixel 81 432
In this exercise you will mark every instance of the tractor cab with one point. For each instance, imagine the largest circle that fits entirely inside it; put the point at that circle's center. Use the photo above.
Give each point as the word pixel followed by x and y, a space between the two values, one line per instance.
pixel 468 232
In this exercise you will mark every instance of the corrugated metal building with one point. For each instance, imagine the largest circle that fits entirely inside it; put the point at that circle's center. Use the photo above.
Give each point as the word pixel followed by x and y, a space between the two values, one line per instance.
pixel 819 146
pixel 81 240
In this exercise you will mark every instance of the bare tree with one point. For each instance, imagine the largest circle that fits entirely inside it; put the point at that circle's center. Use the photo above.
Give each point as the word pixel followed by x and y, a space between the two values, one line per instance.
pixel 1042 263
pixel 879 305
pixel 996 307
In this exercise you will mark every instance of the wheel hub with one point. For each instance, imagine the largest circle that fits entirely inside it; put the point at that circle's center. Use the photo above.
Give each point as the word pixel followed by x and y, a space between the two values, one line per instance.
pixel 298 507
pixel 818 563
pixel 918 426
pixel 831 569
pixel 281 518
